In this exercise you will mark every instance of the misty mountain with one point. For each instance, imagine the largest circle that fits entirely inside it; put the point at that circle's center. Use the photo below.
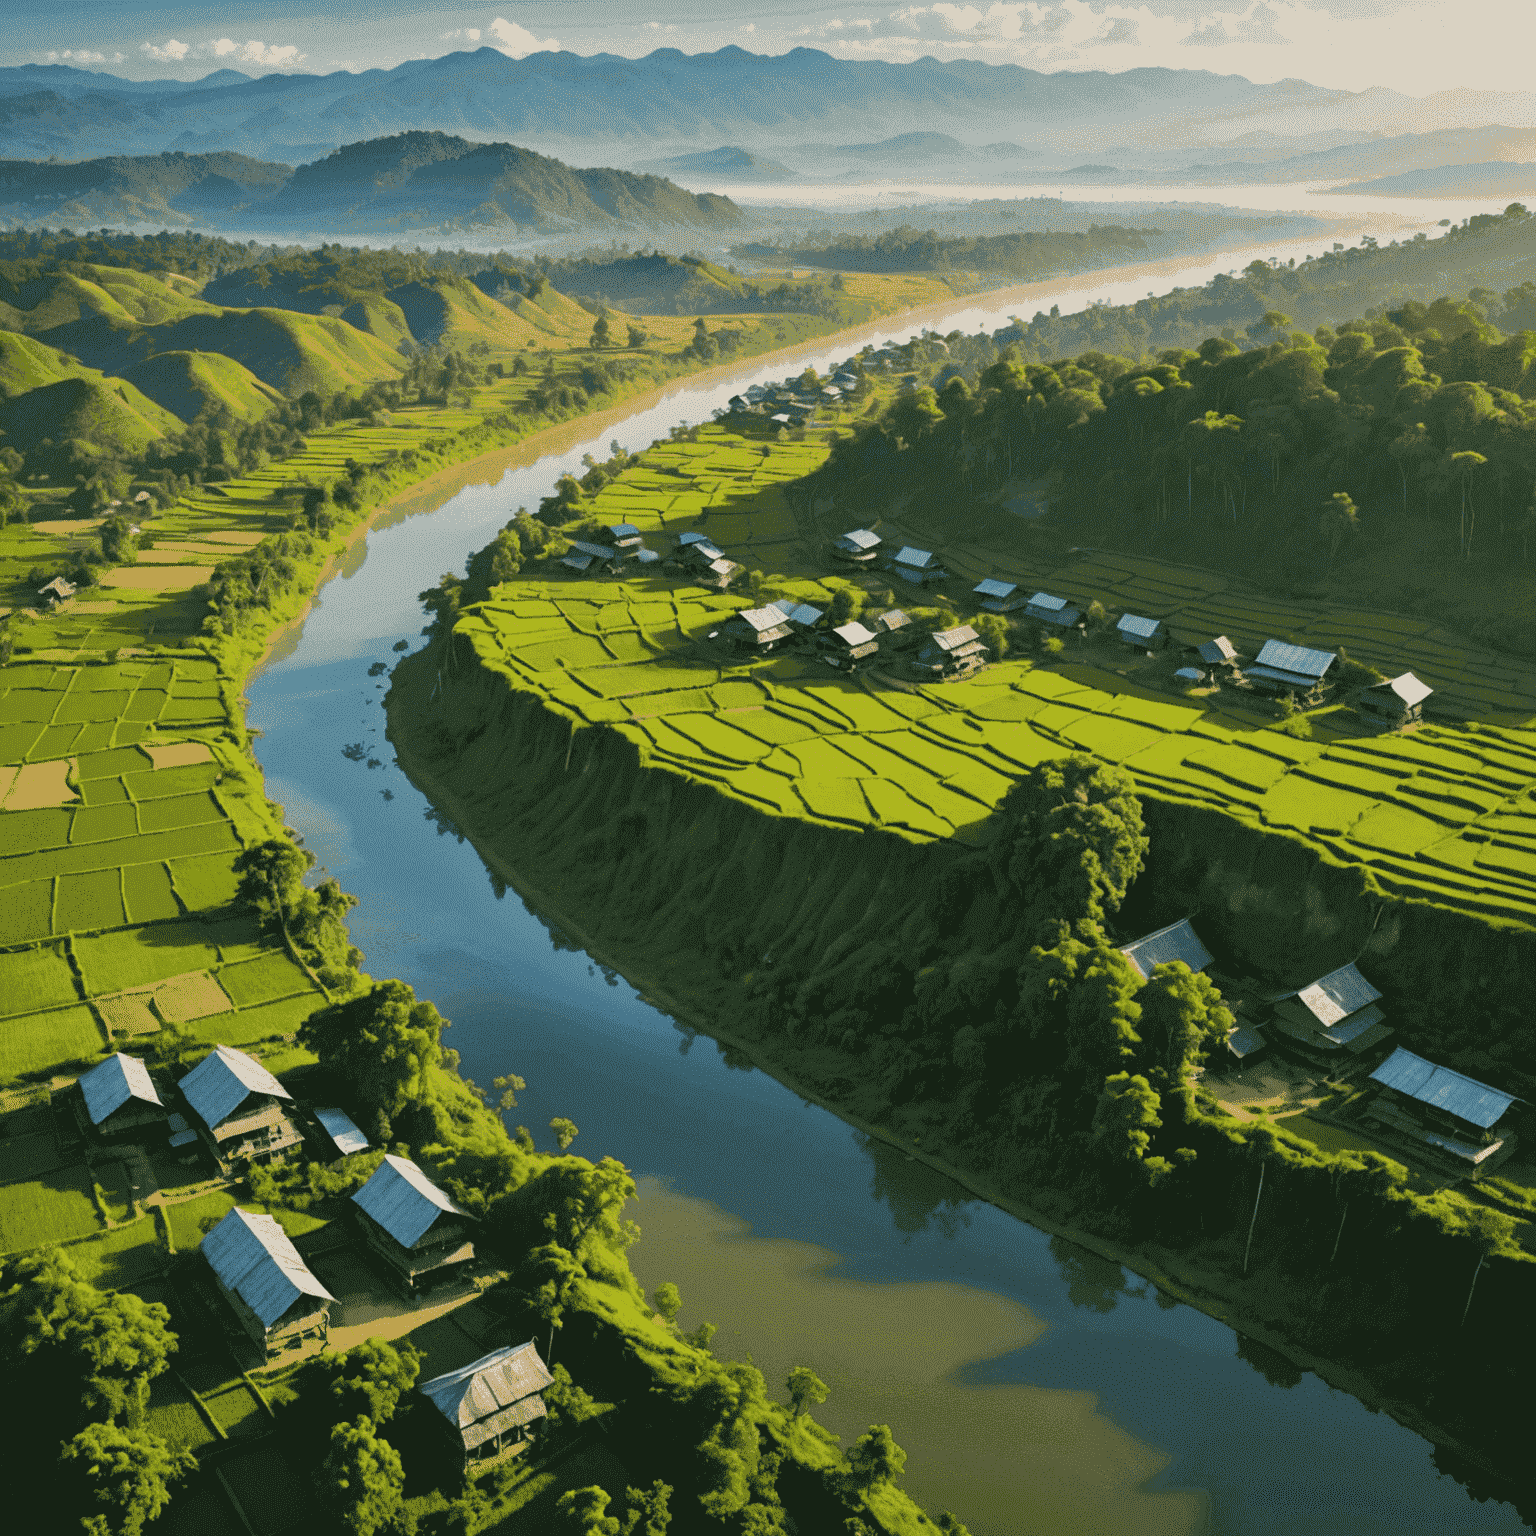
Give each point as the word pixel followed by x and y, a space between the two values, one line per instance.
pixel 410 181
pixel 1492 178
pixel 728 163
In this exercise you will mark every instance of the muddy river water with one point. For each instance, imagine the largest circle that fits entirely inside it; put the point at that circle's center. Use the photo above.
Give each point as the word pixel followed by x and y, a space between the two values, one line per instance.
pixel 1036 1387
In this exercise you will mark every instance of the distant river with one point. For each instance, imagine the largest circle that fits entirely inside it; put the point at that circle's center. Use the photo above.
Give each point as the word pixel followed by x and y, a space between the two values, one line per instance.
pixel 1037 1388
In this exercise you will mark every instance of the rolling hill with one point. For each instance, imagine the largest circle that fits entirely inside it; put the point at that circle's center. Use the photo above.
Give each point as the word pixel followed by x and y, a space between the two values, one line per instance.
pixel 108 415
pixel 189 383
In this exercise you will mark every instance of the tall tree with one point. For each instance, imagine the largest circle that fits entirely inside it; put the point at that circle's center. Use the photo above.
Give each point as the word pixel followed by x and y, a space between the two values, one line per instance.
pixel 125 1475
pixel 361 1482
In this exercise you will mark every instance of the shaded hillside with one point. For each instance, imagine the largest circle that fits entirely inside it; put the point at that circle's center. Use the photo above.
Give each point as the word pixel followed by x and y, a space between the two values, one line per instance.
pixel 109 416
pixel 1492 178
pixel 728 162
pixel 191 384
pixel 670 285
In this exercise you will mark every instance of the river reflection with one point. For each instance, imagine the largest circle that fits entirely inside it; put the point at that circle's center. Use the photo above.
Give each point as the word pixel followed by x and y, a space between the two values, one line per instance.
pixel 1037 1388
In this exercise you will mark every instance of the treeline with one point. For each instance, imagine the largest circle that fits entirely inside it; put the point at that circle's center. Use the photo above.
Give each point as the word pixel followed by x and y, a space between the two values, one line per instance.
pixel 1026 254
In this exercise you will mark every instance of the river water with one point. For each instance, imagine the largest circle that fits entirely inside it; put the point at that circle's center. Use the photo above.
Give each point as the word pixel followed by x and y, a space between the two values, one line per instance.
pixel 1037 1388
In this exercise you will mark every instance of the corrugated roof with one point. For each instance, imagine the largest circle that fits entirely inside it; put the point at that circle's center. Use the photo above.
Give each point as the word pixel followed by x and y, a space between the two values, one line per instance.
pixel 762 618
pixel 991 587
pixel 685 539
pixel 647 556
pixel 223 1080
pixel 1350 1029
pixel 253 1256
pixel 953 639
pixel 860 538
pixel 623 530
pixel 1219 649
pixel 894 619
pixel 1464 1097
pixel 1337 995
pixel 1046 601
pixel 597 551
pixel 910 555
pixel 1134 624
pixel 342 1130
pixel 854 634
pixel 1244 1041
pixel 577 562
pixel 111 1085
pixel 1190 675
pixel 721 566
pixel 705 550
pixel 404 1201
pixel 484 1389
pixel 1295 658
pixel 1178 941
pixel 1408 688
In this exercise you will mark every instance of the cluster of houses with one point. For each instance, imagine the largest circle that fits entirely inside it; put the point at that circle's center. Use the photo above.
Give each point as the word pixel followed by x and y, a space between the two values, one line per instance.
pixel 790 403
pixel 1449 1123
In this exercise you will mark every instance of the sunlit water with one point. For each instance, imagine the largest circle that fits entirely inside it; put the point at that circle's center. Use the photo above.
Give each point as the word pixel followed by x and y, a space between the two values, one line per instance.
pixel 1038 1388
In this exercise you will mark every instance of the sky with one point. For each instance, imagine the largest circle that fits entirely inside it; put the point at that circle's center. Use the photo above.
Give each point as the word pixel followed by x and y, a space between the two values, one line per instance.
pixel 1415 46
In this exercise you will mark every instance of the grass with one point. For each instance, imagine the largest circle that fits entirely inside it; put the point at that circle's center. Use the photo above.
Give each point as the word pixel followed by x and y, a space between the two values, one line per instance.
pixel 37 1040
pixel 174 1416
pixel 37 979
pixel 122 1257
pixel 186 1220
pixel 53 1209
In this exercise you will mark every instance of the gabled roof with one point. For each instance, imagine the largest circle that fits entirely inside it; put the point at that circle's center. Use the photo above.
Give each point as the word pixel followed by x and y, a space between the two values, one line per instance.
pixel 1337 995
pixel 597 551
pixel 893 619
pixel 703 549
pixel 223 1080
pixel 1219 649
pixel 909 554
pixel 482 1392
pixel 1189 675
pixel 1407 687
pixel 404 1201
pixel 721 566
pixel 58 585
pixel 1134 624
pixel 993 588
pixel 953 639
pixel 253 1256
pixel 342 1130
pixel 1178 941
pixel 761 619
pixel 798 613
pixel 577 562
pixel 860 538
pixel 623 531
pixel 1464 1097
pixel 692 537
pixel 854 634
pixel 111 1085
pixel 1295 659
pixel 1046 601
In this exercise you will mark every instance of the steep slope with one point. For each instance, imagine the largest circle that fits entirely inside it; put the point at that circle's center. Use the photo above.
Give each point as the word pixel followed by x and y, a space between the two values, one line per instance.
pixel 109 415
pixel 35 300
pixel 190 383
pixel 27 364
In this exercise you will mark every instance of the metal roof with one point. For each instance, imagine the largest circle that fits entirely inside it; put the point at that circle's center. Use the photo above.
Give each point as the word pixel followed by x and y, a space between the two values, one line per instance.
pixel 1244 1041
pixel 1355 1025
pixel 1464 1097
pixel 705 550
pixel 909 554
pixel 622 531
pixel 485 1388
pixel 111 1085
pixel 994 588
pixel 953 639
pixel 860 538
pixel 223 1080
pixel 762 618
pixel 1219 649
pixel 342 1130
pixel 1178 941
pixel 797 613
pixel 1408 688
pixel 1190 675
pixel 854 634
pixel 1297 659
pixel 893 619
pixel 1045 600
pixel 693 537
pixel 1134 624
pixel 404 1201
pixel 1337 995
pixel 597 551
pixel 578 562
pixel 253 1256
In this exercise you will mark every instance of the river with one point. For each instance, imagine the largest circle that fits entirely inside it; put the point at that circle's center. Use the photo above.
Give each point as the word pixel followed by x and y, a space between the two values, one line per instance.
pixel 1037 1388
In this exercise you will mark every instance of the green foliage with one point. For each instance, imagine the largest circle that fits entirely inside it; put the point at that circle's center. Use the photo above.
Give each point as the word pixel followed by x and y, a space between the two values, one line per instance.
pixel 565 1131
pixel 128 1471
pixel 806 1390
pixel 1125 1118
pixel 570 1405
pixel 547 1275
pixel 361 1482
pixel 584 1512
pixel 995 631
pixel 646 1511
pixel 668 1301
pixel 1182 1019
pixel 368 1380
pixel 875 1459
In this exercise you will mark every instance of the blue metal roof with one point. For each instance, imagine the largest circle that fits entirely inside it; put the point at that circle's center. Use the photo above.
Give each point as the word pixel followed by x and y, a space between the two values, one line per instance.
pixel 623 530
pixel 1296 659
pixel 1178 941
pixel 1045 600
pixel 1134 624
pixel 860 538
pixel 111 1085
pixel 342 1130
pixel 404 1201
pixel 910 555
pixel 223 1080
pixel 1464 1097
pixel 1337 995
pixel 1219 649
pixel 254 1257
pixel 991 587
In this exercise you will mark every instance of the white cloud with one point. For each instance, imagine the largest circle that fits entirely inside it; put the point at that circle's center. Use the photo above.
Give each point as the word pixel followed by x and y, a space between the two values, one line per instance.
pixel 277 56
pixel 518 42
pixel 1258 24
pixel 81 56
pixel 171 53
pixel 464 34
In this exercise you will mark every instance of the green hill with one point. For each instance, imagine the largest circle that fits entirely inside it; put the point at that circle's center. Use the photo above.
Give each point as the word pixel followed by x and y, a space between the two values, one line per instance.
pixel 27 364
pixel 109 415
pixel 190 383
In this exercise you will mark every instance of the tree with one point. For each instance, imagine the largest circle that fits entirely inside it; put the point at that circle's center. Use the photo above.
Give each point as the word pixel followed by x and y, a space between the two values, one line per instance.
pixel 369 1380
pixel 271 877
pixel 1339 520
pixel 129 1471
pixel 1489 1230
pixel 1125 1117
pixel 547 1275
pixel 950 1525
pixel 638 337
pixel 1182 1018
pixel 875 1459
pixel 994 632
pixel 668 1301
pixel 565 1131
pixel 361 1482
pixel 382 1045
pixel 585 1511
pixel 806 1390
pixel 600 330
pixel 645 1510
pixel 847 604
pixel 1464 466
pixel 576 1204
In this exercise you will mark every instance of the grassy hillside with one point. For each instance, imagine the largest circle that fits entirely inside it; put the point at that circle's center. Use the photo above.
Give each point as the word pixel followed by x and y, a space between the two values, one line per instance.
pixel 190 383
pixel 27 364
pixel 110 415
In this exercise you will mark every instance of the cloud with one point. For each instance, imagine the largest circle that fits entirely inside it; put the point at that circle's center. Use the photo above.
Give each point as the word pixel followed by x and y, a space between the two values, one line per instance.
pixel 171 53
pixel 464 34
pixel 81 56
pixel 518 42
pixel 1117 32
pixel 278 56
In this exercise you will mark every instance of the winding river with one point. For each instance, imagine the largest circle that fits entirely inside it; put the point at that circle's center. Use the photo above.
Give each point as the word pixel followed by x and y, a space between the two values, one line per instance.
pixel 1037 1387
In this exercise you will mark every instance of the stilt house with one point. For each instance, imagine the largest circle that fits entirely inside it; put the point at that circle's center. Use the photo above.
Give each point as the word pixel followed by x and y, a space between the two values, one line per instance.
pixel 860 546
pixel 919 566
pixel 121 1100
pixel 492 1401
pixel 242 1107
pixel 1291 669
pixel 1141 634
pixel 1178 941
pixel 952 653
pixel 895 627
pixel 341 1132
pixel 999 596
pixel 850 644
pixel 268 1286
pixel 591 559
pixel 1052 610
pixel 1219 652
pixel 1338 1012
pixel 412 1225
pixel 758 630
pixel 1462 1125
pixel 1395 703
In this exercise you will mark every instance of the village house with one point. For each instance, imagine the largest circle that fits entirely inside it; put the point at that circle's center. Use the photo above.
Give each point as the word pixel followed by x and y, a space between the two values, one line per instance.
pixel 999 596
pixel 412 1225
pixel 590 559
pixel 1294 670
pixel 1219 653
pixel 1141 634
pixel 1397 702
pixel 492 1401
pixel 629 545
pixel 120 1100
pixel 894 626
pixel 340 1133
pixel 241 1107
pixel 1191 675
pixel 859 547
pixel 1460 1125
pixel 1053 610
pixel 1245 1043
pixel 757 629
pixel 850 644
pixel 802 618
pixel 952 653
pixel 919 566
pixel 268 1286
pixel 1336 1013
pixel 704 562
pixel 55 592
pixel 1178 941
